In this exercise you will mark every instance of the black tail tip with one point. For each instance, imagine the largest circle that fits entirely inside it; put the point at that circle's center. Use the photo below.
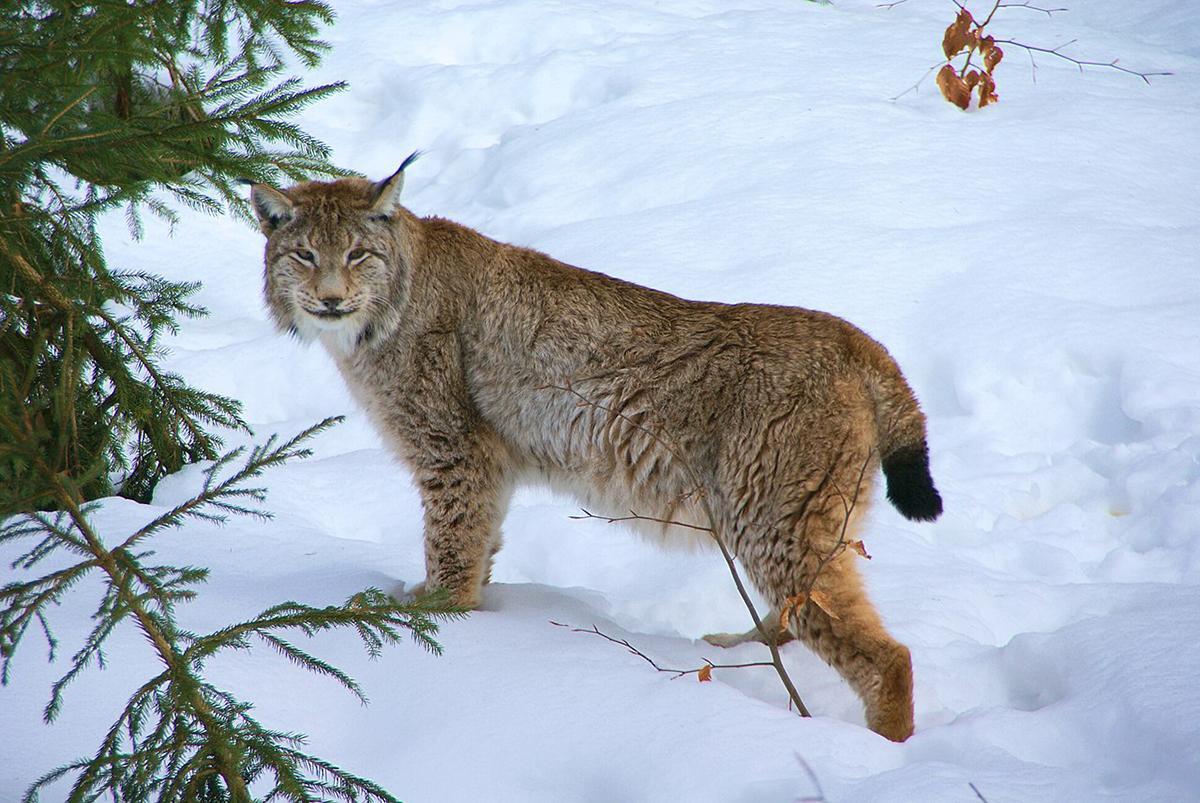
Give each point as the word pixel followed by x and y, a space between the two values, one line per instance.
pixel 909 485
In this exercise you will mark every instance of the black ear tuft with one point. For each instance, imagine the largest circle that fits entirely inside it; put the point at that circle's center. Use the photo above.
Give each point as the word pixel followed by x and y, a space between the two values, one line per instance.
pixel 387 192
pixel 412 157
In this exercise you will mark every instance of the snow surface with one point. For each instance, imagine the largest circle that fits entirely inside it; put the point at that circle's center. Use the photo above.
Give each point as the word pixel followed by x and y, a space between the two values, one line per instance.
pixel 1034 268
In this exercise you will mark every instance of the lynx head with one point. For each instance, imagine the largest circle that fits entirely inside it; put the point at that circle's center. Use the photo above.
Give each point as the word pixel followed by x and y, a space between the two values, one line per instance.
pixel 335 258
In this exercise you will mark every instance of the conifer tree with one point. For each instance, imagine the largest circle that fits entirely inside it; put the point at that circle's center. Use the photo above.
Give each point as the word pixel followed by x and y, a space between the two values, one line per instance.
pixel 142 106
pixel 180 738
pixel 131 105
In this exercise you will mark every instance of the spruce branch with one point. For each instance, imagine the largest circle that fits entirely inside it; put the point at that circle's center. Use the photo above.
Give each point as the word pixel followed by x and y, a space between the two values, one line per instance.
pixel 179 738
pixel 137 105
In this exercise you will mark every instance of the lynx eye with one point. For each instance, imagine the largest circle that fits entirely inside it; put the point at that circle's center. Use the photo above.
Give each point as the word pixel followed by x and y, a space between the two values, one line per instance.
pixel 307 257
pixel 356 255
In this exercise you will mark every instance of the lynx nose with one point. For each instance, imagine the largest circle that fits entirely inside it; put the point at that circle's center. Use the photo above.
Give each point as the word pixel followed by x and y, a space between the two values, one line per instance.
pixel 331 303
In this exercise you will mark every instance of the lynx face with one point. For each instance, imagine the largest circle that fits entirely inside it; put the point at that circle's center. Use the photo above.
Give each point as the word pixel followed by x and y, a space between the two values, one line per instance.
pixel 320 285
pixel 333 268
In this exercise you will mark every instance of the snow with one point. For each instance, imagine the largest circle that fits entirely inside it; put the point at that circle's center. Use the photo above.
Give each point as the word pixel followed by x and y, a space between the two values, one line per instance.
pixel 1032 266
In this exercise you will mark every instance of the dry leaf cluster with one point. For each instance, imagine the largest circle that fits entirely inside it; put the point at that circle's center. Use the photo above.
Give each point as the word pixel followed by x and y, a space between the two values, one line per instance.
pixel 976 84
pixel 966 36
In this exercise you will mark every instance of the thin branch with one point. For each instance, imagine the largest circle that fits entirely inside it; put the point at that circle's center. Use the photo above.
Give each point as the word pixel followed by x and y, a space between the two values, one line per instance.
pixel 678 673
pixel 1080 63
pixel 66 109
pixel 979 26
pixel 587 514
pixel 917 85
pixel 978 794
pixel 1049 12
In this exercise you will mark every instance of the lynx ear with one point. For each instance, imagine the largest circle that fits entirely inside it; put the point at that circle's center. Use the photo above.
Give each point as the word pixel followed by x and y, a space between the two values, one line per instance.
pixel 272 207
pixel 387 192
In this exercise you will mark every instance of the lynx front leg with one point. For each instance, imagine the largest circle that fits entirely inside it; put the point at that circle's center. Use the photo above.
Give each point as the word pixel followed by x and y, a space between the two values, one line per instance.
pixel 464 492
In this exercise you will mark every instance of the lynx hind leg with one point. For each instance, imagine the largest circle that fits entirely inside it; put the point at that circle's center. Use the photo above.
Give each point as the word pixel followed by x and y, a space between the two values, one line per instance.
pixel 851 638
pixel 753 635
pixel 848 633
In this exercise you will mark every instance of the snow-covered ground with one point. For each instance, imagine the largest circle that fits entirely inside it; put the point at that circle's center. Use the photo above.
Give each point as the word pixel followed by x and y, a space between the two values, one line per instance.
pixel 1035 268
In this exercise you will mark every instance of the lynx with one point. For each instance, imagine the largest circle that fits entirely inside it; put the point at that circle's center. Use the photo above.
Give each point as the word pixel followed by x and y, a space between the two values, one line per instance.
pixel 485 365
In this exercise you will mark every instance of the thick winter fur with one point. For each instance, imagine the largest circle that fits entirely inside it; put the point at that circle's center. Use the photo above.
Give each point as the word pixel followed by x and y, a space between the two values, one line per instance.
pixel 472 357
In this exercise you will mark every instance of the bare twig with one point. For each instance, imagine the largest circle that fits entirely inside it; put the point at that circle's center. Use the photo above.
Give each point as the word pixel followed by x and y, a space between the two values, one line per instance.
pixel 678 673
pixel 587 514
pixel 891 5
pixel 981 25
pixel 917 85
pixel 978 794
pixel 1049 12
pixel 1056 51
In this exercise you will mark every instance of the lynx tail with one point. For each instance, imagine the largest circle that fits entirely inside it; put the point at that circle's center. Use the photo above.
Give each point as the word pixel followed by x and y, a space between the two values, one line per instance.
pixel 903 451
pixel 909 485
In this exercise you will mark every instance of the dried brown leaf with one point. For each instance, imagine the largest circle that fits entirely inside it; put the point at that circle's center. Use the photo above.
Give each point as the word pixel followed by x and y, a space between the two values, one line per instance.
pixel 859 546
pixel 823 602
pixel 992 57
pixel 797 601
pixel 957 34
pixel 987 90
pixel 704 674
pixel 953 87
pixel 790 604
pixel 785 613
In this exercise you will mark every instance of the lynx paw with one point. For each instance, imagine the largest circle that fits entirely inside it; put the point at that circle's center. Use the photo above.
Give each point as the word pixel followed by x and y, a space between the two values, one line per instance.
pixel 727 640
pixel 750 636
pixel 464 599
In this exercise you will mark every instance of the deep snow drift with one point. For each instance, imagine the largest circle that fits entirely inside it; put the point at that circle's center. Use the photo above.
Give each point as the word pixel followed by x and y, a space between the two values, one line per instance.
pixel 1033 267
